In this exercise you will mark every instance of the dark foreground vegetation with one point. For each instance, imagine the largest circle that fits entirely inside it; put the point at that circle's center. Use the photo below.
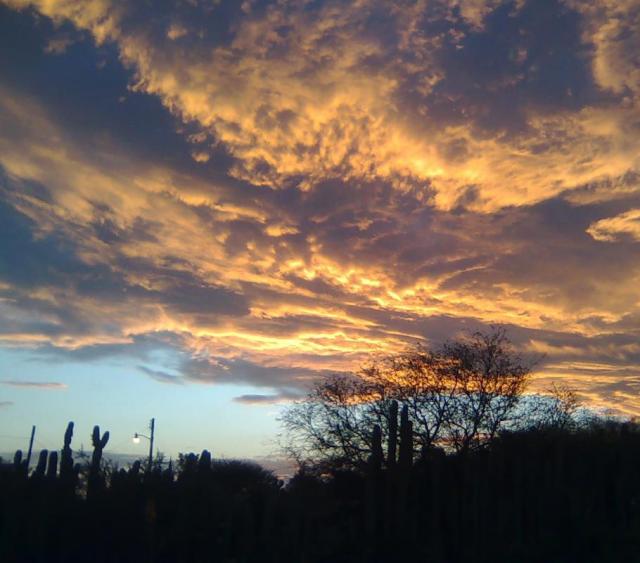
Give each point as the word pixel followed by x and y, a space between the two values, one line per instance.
pixel 540 496
pixel 490 483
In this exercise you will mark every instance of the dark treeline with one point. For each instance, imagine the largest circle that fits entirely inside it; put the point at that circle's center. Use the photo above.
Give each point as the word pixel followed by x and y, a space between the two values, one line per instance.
pixel 538 496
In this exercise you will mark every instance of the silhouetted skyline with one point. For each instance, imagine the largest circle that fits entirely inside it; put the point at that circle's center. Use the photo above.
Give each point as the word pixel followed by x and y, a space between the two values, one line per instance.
pixel 207 206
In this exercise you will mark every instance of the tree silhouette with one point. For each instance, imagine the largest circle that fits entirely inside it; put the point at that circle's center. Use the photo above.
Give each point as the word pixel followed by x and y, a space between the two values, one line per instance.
pixel 458 396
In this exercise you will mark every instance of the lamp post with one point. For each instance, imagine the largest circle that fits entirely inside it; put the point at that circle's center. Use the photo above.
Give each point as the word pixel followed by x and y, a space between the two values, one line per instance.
pixel 137 436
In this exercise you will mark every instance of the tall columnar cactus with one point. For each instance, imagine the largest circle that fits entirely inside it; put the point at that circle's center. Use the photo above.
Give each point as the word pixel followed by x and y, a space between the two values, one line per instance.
pixel 52 468
pixel 99 444
pixel 95 483
pixel 377 455
pixel 373 497
pixel 390 501
pixel 393 435
pixel 42 464
pixel 68 470
pixel 20 464
pixel 17 460
pixel 204 462
pixel 189 464
pixel 66 454
pixel 405 457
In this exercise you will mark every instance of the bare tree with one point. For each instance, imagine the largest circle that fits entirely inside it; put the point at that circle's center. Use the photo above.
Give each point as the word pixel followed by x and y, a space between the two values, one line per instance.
pixel 490 380
pixel 421 380
pixel 557 408
pixel 458 396
pixel 334 423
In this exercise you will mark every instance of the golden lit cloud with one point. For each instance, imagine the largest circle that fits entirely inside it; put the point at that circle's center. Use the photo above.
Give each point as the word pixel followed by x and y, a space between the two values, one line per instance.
pixel 309 93
pixel 612 228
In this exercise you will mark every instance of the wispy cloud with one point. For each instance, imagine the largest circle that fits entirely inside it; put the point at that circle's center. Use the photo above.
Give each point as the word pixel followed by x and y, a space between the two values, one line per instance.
pixel 162 376
pixel 615 228
pixel 257 399
pixel 52 385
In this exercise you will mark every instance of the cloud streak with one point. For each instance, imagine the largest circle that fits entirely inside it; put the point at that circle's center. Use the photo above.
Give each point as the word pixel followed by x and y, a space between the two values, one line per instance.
pixel 256 399
pixel 48 385
pixel 614 228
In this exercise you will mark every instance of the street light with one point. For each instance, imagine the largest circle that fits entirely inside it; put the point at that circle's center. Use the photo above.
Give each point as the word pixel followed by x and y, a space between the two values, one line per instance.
pixel 137 436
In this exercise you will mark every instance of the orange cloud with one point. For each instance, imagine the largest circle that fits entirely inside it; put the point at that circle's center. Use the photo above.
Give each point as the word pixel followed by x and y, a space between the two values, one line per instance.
pixel 612 228
pixel 378 184
pixel 311 102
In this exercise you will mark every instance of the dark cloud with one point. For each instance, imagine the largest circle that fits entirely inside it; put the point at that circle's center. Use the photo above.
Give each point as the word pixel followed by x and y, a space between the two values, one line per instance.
pixel 143 347
pixel 253 399
pixel 161 376
pixel 192 297
pixel 550 252
pixel 51 259
pixel 241 372
pixel 527 56
pixel 30 260
pixel 94 74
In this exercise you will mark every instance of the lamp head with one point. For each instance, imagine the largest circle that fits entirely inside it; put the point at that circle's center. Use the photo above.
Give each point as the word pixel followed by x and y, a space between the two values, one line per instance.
pixel 136 438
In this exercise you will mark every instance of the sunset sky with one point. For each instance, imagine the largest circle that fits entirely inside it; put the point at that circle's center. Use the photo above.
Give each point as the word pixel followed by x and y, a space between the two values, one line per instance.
pixel 205 205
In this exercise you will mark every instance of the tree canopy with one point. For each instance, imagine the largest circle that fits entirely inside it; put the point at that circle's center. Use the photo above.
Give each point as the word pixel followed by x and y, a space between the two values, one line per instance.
pixel 457 396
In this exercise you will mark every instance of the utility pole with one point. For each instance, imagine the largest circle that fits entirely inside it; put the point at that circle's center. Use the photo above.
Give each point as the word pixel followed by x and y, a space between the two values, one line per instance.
pixel 136 440
pixel 152 427
pixel 33 435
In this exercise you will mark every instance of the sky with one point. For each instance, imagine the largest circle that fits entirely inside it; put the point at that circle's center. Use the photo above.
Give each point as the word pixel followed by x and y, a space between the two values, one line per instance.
pixel 207 205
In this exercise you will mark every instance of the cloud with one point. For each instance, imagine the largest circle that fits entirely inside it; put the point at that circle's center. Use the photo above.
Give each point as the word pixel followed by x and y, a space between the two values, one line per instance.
pixel 291 380
pixel 58 45
pixel 161 376
pixel 614 228
pixel 52 385
pixel 256 399
pixel 6 404
pixel 614 28
pixel 447 95
pixel 263 193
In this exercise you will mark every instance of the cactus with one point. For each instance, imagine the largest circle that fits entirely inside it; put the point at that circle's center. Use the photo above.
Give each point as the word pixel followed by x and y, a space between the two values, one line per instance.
pixel 99 444
pixel 398 506
pixel 95 482
pixel 393 435
pixel 204 462
pixel 377 455
pixel 405 456
pixel 42 464
pixel 20 464
pixel 189 463
pixel 66 454
pixel 373 498
pixel 52 468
